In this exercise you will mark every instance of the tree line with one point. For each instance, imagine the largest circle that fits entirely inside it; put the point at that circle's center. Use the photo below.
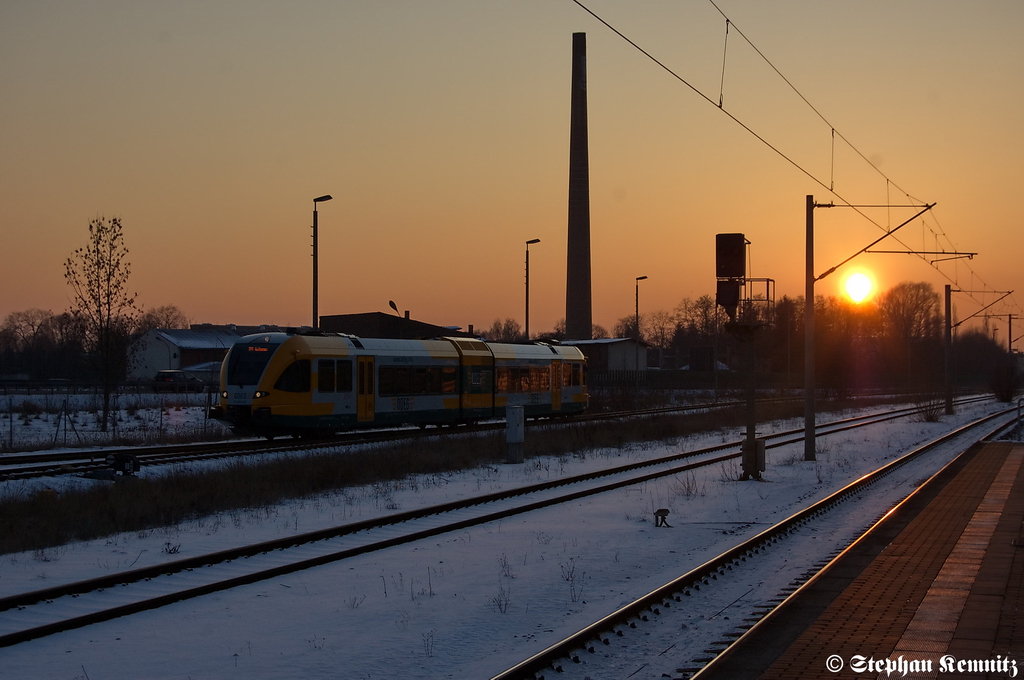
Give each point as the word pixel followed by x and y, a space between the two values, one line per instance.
pixel 893 340
pixel 38 344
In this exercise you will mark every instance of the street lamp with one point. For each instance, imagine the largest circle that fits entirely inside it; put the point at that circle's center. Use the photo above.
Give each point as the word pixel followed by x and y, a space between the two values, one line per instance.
pixel 637 361
pixel 316 313
pixel 528 244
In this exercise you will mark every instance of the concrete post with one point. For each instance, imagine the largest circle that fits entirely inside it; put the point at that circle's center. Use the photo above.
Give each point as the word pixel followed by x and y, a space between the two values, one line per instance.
pixel 515 434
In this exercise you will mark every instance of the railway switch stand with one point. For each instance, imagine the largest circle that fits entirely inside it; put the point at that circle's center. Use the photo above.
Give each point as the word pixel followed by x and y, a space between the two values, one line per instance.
pixel 661 518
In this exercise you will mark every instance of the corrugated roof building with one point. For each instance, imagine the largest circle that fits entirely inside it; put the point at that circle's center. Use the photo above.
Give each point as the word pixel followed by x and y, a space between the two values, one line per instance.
pixel 175 348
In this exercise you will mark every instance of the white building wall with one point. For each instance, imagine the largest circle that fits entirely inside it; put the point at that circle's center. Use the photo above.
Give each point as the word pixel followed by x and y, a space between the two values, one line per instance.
pixel 626 356
pixel 153 353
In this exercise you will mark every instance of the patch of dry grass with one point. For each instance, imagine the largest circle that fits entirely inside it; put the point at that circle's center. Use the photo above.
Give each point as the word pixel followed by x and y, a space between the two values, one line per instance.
pixel 48 519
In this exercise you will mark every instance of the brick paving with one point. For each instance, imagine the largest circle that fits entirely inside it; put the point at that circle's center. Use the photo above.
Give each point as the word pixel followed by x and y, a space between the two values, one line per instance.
pixel 942 587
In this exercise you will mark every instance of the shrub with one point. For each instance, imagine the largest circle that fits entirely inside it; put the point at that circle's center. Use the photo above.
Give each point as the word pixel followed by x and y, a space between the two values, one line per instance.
pixel 30 408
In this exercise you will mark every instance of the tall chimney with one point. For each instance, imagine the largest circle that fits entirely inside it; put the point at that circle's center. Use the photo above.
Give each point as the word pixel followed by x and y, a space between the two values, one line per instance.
pixel 578 308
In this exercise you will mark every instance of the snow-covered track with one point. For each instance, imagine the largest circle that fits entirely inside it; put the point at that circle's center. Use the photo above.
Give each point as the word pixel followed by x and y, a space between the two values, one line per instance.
pixel 197 576
pixel 46 464
pixel 584 644
pixel 43 464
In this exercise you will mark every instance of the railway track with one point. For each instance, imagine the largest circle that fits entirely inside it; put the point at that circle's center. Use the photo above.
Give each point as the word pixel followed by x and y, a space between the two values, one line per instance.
pixel 28 465
pixel 42 612
pixel 579 655
pixel 33 465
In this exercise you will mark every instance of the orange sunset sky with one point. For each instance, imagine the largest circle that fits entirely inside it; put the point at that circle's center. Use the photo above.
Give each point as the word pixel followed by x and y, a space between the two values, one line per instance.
pixel 441 129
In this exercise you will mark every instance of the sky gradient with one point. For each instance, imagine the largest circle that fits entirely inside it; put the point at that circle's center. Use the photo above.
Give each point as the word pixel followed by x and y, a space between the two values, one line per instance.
pixel 441 130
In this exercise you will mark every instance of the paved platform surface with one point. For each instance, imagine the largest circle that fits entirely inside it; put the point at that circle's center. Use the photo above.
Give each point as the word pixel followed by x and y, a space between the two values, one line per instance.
pixel 934 595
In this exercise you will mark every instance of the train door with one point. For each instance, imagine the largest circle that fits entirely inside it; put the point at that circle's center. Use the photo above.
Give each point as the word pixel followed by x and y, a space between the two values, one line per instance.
pixel 556 385
pixel 364 389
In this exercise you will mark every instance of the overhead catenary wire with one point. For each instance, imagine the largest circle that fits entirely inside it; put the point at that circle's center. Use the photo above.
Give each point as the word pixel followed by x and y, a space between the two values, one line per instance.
pixel 937 233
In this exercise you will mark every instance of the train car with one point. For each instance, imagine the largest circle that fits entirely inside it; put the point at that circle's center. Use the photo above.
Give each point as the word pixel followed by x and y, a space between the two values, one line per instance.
pixel 304 383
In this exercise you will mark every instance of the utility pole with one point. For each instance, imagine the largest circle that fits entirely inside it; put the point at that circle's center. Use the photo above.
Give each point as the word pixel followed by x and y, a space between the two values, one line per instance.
pixel 947 346
pixel 809 434
pixel 1009 327
pixel 809 442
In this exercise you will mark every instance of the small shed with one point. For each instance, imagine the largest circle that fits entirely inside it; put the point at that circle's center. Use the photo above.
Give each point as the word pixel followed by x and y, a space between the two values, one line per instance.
pixel 612 354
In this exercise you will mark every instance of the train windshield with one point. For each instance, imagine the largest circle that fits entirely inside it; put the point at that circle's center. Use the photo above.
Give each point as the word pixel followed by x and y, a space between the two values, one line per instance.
pixel 247 361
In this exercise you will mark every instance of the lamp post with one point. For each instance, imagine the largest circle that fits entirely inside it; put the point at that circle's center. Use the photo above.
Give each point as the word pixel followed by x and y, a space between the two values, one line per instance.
pixel 528 244
pixel 637 361
pixel 316 311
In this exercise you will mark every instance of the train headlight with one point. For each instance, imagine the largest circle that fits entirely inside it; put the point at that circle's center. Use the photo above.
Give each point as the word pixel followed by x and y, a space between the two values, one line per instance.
pixel 260 395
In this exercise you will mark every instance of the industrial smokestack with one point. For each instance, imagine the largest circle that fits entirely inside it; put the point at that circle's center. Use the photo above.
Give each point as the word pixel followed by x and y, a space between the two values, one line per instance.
pixel 578 309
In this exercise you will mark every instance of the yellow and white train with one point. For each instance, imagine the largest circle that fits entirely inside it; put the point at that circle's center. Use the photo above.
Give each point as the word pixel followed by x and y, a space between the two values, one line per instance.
pixel 304 383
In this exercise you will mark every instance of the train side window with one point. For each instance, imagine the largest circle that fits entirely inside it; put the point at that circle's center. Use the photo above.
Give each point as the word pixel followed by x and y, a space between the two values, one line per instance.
pixel 295 378
pixel 448 379
pixel 434 382
pixel 386 381
pixel 325 375
pixel 402 380
pixel 420 379
pixel 343 382
pixel 540 381
pixel 502 380
pixel 576 377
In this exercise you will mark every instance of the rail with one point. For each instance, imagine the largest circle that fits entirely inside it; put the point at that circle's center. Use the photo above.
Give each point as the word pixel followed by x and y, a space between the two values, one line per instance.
pixel 597 633
pixel 75 589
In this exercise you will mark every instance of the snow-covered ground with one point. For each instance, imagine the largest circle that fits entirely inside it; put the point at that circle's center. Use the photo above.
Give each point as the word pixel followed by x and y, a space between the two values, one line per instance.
pixel 45 421
pixel 462 605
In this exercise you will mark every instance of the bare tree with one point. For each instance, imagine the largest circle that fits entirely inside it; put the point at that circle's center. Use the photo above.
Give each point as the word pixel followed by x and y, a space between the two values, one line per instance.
pixel 626 327
pixel 98 275
pixel 659 328
pixel 508 330
pixel 910 323
pixel 596 332
pixel 167 316
pixel 26 329
pixel 701 317
pixel 910 310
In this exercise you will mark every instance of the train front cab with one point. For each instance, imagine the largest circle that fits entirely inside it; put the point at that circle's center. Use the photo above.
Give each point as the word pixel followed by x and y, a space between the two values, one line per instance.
pixel 241 374
pixel 279 383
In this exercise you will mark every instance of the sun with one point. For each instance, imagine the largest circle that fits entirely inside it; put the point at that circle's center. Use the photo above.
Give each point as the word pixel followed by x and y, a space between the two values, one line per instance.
pixel 858 287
